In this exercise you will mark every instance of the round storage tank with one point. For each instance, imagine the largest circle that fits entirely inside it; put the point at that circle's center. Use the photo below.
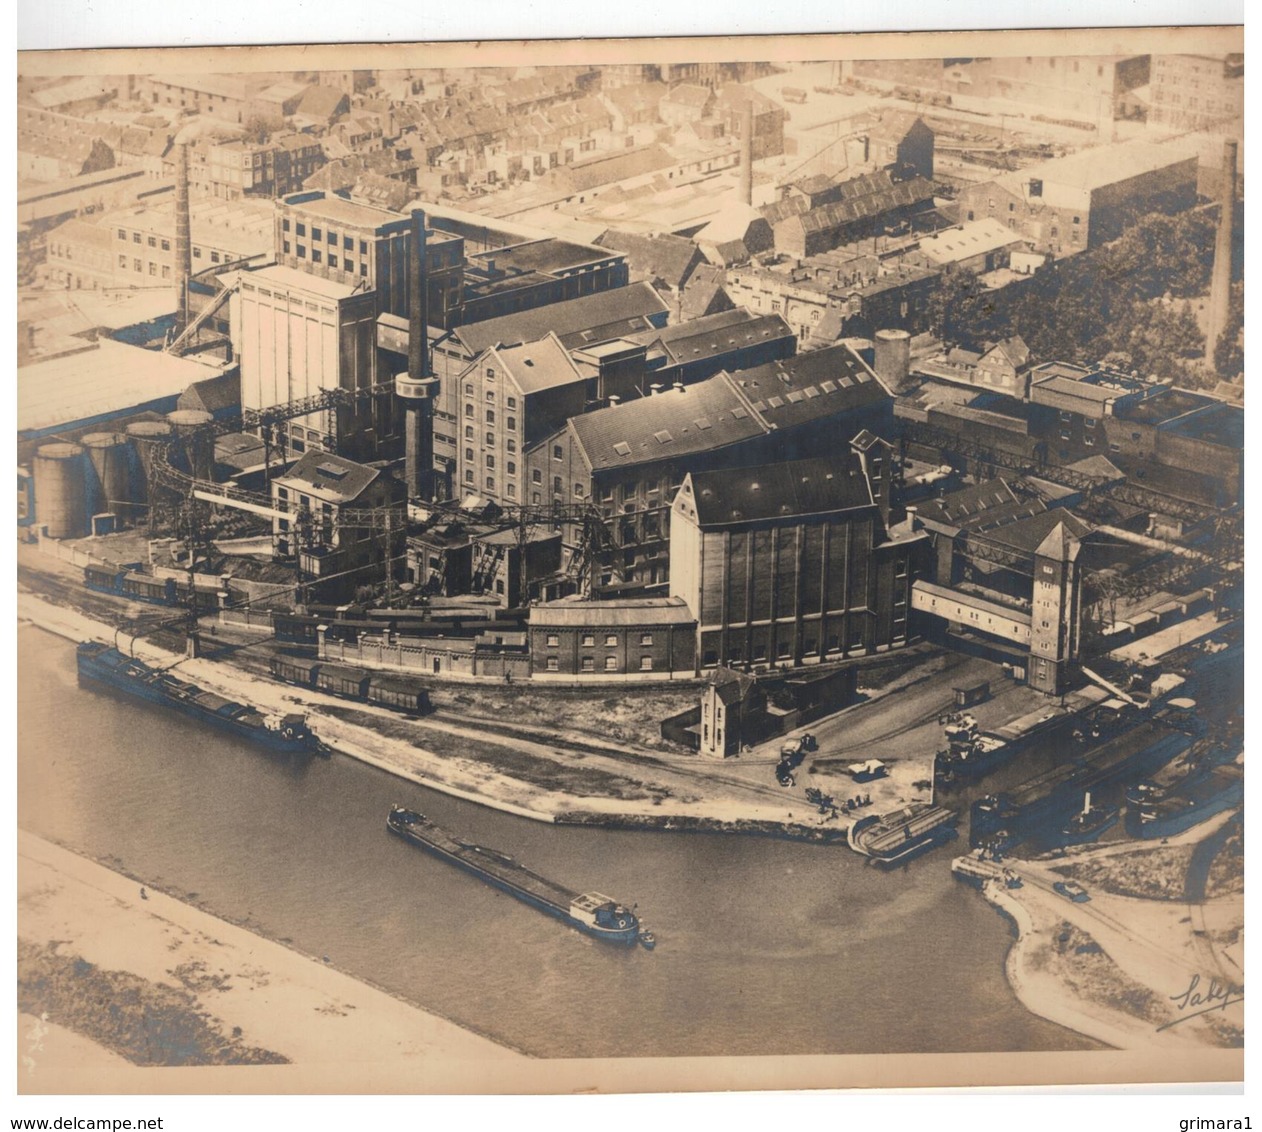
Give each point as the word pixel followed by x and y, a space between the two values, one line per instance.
pixel 892 358
pixel 61 489
pixel 109 459
pixel 146 438
pixel 197 439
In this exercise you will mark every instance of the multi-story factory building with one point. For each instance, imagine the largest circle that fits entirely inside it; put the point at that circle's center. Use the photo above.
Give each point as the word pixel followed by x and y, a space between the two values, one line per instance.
pixel 1072 203
pixel 790 563
pixel 629 460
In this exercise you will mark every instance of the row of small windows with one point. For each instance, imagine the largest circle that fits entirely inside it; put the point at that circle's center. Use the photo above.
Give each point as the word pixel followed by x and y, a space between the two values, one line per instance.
pixel 138 266
pixel 152 241
pixel 348 242
pixel 588 664
pixel 510 402
pixel 589 640
pixel 490 438
pixel 510 465
pixel 510 423
pixel 784 650
pixel 318 257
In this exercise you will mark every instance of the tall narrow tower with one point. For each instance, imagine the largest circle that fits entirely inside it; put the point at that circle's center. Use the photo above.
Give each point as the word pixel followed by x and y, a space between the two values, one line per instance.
pixel 183 242
pixel 1220 280
pixel 1055 612
pixel 417 388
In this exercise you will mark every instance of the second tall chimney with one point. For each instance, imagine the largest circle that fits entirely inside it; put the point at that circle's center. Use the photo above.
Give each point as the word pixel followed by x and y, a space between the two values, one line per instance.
pixel 1220 279
pixel 183 243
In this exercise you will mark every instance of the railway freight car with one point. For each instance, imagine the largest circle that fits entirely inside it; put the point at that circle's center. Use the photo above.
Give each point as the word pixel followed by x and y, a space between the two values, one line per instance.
pixel 349 683
pixel 134 585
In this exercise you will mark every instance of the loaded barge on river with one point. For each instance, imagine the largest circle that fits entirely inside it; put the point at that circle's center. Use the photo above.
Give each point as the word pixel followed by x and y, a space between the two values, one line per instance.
pixel 590 912
pixel 107 667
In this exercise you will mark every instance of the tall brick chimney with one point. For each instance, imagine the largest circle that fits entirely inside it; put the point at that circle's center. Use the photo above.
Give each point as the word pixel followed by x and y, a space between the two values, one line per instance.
pixel 417 388
pixel 183 242
pixel 1220 279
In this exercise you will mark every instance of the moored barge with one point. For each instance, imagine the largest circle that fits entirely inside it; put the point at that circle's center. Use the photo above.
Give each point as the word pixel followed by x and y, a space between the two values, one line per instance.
pixel 107 667
pixel 594 914
pixel 897 837
pixel 1192 789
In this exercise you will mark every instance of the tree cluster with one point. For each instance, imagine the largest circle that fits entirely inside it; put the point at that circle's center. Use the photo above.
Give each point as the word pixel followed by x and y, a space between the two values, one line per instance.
pixel 1129 301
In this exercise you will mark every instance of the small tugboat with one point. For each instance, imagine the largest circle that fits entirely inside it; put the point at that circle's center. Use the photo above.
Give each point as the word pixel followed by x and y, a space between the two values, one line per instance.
pixel 1089 823
pixel 106 666
pixel 590 912
pixel 894 838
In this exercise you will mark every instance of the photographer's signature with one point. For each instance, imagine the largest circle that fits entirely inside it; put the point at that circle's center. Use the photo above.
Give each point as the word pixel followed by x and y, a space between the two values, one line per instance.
pixel 1200 999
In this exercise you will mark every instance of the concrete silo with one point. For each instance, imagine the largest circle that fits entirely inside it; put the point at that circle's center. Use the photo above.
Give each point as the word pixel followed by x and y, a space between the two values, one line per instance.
pixel 61 490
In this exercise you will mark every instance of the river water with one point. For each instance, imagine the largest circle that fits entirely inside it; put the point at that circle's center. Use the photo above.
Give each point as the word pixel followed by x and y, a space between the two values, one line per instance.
pixel 764 946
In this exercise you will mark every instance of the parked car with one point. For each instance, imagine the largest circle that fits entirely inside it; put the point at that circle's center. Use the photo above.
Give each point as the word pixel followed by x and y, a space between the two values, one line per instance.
pixel 1071 891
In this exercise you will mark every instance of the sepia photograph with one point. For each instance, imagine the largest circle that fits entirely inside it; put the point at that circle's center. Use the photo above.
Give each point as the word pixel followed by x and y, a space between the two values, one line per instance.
pixel 631 565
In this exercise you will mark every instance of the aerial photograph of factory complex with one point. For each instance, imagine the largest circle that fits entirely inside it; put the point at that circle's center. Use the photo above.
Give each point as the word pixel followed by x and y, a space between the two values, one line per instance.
pixel 802 500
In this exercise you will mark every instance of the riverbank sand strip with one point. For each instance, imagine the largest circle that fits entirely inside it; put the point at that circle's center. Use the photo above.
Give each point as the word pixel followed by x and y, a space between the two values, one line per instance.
pixel 686 791
pixel 314 1015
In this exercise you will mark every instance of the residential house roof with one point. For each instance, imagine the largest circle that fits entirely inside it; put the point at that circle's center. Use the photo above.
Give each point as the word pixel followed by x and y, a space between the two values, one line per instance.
pixel 688 94
pixel 963 506
pixel 1029 535
pixel 897 124
pixel 325 102
pixel 214 395
pixel 714 335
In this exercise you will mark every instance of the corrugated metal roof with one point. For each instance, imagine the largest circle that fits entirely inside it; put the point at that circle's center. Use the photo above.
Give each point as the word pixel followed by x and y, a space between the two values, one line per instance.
pixel 109 379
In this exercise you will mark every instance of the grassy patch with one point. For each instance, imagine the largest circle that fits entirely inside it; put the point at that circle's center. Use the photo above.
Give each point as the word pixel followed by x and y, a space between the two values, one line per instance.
pixel 1092 975
pixel 146 1023
pixel 1153 874
pixel 631 716
pixel 561 775
pixel 1226 873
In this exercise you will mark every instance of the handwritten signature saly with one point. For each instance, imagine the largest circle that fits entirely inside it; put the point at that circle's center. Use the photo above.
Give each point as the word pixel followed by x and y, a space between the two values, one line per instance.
pixel 1200 999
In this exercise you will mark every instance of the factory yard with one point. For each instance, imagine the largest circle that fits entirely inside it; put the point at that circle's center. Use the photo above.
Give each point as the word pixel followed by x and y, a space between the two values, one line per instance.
pixel 553 755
